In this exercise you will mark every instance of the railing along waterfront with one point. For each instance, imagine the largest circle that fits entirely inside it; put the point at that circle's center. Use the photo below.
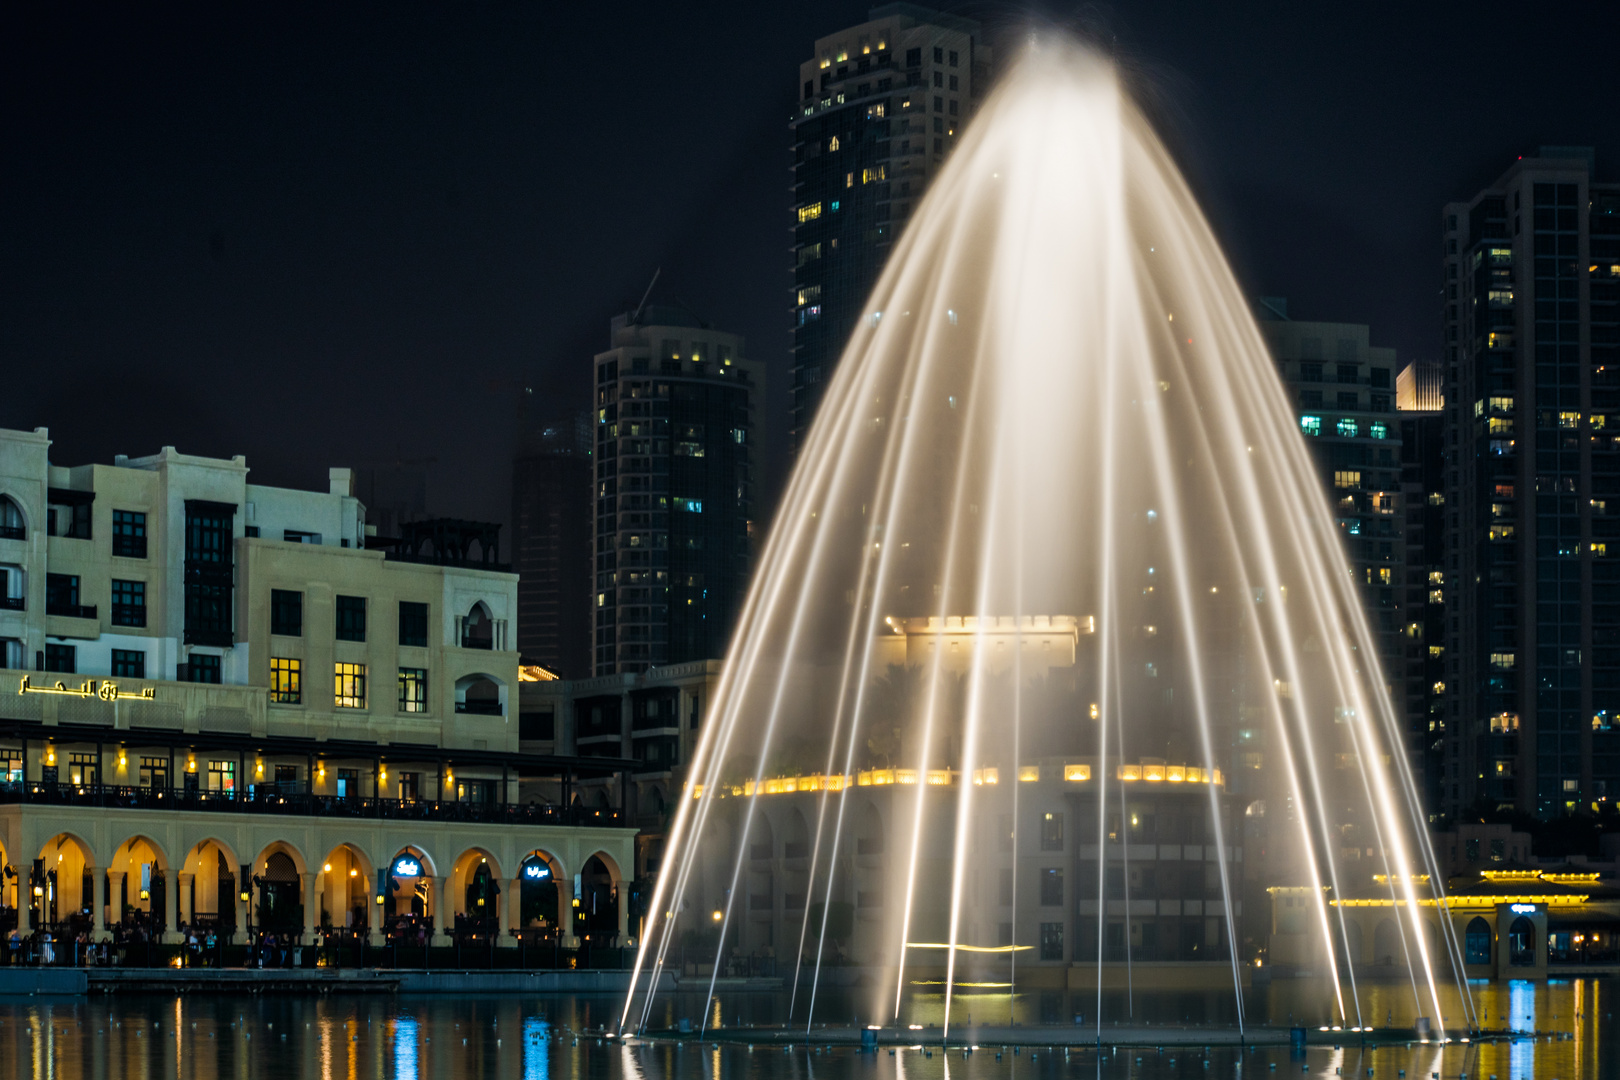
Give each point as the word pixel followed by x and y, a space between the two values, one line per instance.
pixel 119 797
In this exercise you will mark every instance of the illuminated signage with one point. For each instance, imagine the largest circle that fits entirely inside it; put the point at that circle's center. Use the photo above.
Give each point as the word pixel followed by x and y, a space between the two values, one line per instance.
pixel 536 871
pixel 1522 909
pixel 106 691
pixel 405 866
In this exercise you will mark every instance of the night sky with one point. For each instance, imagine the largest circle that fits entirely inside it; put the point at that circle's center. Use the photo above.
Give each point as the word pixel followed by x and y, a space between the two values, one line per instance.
pixel 330 236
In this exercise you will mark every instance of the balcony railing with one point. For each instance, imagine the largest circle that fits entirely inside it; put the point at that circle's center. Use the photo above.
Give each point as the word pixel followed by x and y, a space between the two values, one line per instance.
pixel 117 797
pixel 72 611
pixel 12 603
pixel 13 532
pixel 470 641
pixel 479 708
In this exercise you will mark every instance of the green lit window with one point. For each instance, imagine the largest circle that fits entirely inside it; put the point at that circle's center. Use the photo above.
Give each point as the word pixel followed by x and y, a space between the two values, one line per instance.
pixel 1311 425
pixel 1378 430
pixel 1348 427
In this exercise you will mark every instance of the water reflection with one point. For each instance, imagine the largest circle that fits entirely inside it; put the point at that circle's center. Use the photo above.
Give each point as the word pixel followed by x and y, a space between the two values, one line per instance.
pixel 420 1038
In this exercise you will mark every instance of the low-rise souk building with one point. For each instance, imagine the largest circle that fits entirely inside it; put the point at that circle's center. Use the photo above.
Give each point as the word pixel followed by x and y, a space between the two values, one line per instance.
pixel 1510 921
pixel 232 706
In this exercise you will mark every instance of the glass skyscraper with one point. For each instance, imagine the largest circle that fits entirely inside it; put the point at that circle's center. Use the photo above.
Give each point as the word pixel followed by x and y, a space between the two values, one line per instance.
pixel 880 106
pixel 1531 280
pixel 673 492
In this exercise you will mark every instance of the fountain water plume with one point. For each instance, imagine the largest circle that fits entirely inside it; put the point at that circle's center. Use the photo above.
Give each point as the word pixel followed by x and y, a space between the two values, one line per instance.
pixel 1056 424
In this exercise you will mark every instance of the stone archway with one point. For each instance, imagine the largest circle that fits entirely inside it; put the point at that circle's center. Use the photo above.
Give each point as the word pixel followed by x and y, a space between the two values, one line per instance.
pixel 139 899
pixel 59 889
pixel 597 916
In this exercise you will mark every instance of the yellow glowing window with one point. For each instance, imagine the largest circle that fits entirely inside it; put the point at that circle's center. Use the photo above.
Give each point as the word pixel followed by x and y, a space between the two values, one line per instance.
pixel 1502 659
pixel 832 144
pixel 1600 506
pixel 825 62
pixel 842 56
pixel 1501 404
pixel 1569 419
pixel 1600 550
pixel 284 681
pixel 1028 773
pixel 809 213
pixel 1153 772
pixel 1501 532
pixel 1437 650
pixel 1130 772
pixel 1598 420
pixel 905 776
pixel 1347 478
pixel 1504 722
pixel 1176 774
pixel 1501 425
pixel 1438 688
pixel 873 175
pixel 1077 772
pixel 1437 577
pixel 350 686
pixel 987 776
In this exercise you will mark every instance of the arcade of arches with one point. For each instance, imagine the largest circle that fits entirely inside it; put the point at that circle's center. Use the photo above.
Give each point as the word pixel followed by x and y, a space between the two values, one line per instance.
pixel 427 882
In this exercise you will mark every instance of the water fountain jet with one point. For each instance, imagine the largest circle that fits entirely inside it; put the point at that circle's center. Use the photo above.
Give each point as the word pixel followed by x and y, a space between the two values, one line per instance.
pixel 1057 406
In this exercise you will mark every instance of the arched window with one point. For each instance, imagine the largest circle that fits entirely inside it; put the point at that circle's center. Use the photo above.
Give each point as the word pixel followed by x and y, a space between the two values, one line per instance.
pixel 1522 943
pixel 11 520
pixel 478 629
pixel 1477 941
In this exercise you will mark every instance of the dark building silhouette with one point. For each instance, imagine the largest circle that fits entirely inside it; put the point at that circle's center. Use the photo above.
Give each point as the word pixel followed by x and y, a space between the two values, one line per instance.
pixel 880 106
pixel 674 427
pixel 1530 311
pixel 1424 633
pixel 551 522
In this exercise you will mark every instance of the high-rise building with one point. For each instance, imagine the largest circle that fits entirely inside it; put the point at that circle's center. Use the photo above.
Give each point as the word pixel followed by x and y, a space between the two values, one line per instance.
pixel 1345 391
pixel 1419 406
pixel 674 423
pixel 551 520
pixel 880 106
pixel 1531 317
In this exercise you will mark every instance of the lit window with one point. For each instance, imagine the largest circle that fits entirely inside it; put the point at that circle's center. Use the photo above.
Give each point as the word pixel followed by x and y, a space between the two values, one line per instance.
pixel 690 506
pixel 1501 532
pixel 349 691
pixel 1437 577
pixel 1501 404
pixel 1436 651
pixel 811 212
pixel 1499 297
pixel 1504 722
pixel 1378 575
pixel 1600 550
pixel 1438 688
pixel 1311 425
pixel 1500 425
pixel 834 210
pixel 284 681
pixel 1502 659
pixel 1347 478
pixel 1437 596
pixel 1569 419
pixel 1437 498
pixel 832 144
pixel 1378 430
pixel 873 175
pixel 809 293
pixel 412 690
pixel 1501 256
pixel 1348 427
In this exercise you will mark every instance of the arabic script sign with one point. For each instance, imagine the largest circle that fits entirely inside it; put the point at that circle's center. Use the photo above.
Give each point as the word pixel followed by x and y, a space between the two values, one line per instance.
pixel 105 689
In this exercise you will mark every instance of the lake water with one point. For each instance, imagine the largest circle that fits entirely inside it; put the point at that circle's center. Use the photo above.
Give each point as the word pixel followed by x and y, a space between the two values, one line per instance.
pixel 197 1037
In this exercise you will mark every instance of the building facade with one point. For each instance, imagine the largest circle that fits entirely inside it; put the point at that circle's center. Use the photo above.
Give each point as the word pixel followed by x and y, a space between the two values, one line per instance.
pixel 673 492
pixel 1424 509
pixel 208 679
pixel 1345 391
pixel 551 521
pixel 1531 318
pixel 880 106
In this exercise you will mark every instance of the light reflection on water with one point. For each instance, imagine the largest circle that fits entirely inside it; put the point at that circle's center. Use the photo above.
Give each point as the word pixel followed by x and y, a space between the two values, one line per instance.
pixel 421 1038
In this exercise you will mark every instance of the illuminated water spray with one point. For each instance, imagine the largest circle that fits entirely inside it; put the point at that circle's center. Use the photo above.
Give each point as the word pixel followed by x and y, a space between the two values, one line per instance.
pixel 1057 412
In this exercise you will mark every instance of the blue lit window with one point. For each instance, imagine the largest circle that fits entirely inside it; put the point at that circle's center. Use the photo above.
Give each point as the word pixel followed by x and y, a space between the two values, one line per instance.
pixel 1378 430
pixel 1310 425
pixel 835 207
pixel 691 506
pixel 1348 427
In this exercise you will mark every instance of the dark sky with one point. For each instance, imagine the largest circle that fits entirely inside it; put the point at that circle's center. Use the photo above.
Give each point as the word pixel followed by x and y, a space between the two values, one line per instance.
pixel 332 236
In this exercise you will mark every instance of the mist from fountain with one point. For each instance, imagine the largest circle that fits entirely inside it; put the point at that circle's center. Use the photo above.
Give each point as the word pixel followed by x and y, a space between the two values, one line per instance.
pixel 1057 403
